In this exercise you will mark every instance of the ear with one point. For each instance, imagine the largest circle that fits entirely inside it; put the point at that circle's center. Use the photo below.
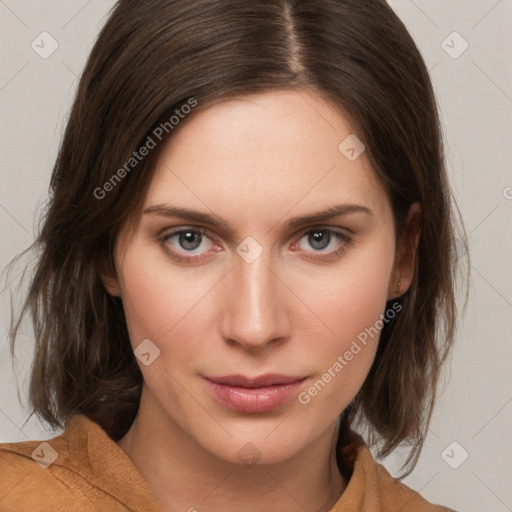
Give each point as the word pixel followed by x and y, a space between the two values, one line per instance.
pixel 403 270
pixel 109 279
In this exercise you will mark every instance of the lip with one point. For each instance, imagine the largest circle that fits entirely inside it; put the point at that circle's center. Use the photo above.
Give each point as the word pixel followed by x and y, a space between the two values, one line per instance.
pixel 253 394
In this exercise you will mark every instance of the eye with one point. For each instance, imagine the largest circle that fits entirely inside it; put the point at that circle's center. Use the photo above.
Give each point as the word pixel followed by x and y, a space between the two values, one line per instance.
pixel 182 243
pixel 324 238
pixel 190 244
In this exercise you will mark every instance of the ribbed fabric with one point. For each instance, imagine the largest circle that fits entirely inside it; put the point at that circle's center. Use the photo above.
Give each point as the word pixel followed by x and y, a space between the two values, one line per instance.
pixel 92 473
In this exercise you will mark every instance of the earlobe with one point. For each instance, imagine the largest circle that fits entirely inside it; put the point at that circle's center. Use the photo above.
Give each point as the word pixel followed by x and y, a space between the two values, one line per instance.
pixel 403 273
pixel 111 285
pixel 109 279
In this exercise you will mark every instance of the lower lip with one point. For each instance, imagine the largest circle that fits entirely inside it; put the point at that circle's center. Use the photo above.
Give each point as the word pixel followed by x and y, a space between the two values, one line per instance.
pixel 253 399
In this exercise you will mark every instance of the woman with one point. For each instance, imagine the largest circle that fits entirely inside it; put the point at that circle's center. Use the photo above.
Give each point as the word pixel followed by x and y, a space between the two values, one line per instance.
pixel 248 252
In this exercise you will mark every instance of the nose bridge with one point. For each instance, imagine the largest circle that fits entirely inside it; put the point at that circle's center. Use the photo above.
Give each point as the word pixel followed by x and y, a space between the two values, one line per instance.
pixel 256 311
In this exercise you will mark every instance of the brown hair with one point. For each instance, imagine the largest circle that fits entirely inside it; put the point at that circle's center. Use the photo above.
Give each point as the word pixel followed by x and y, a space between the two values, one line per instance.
pixel 152 58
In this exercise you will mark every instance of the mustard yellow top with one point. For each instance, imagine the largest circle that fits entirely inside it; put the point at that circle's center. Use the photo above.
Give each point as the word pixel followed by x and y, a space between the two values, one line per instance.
pixel 84 470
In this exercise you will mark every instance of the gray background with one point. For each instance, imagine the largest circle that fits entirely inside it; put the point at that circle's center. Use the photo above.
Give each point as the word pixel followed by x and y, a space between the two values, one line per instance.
pixel 475 95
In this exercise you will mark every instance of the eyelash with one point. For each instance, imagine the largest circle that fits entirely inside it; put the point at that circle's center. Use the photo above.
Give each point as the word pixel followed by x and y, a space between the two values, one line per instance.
pixel 345 241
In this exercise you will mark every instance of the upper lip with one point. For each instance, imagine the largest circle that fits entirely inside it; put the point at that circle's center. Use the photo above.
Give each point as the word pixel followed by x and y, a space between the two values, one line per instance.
pixel 268 379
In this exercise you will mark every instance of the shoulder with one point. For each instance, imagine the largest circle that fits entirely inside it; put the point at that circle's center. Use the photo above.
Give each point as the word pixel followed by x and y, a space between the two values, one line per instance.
pixel 48 475
pixel 81 470
pixel 31 480
pixel 392 493
pixel 371 486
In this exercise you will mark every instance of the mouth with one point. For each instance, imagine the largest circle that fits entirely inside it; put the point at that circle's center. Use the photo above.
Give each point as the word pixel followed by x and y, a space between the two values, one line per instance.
pixel 253 394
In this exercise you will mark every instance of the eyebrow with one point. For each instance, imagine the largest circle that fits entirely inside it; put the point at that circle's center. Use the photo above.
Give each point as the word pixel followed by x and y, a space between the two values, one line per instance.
pixel 331 212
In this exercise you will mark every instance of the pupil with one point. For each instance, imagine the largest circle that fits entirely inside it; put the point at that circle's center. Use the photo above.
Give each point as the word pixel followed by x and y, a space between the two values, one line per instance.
pixel 320 236
pixel 186 240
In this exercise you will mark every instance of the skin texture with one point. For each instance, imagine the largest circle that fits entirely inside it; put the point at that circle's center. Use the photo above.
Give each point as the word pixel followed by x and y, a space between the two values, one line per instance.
pixel 256 162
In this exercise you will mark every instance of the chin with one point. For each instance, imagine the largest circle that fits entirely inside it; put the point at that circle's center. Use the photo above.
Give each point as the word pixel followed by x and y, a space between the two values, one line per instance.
pixel 271 443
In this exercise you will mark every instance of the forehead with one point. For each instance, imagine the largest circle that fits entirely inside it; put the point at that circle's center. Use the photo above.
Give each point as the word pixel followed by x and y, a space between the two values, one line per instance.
pixel 273 150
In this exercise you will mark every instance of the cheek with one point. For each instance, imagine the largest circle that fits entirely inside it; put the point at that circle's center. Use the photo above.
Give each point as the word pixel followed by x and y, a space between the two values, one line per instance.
pixel 353 296
pixel 162 305
pixel 352 306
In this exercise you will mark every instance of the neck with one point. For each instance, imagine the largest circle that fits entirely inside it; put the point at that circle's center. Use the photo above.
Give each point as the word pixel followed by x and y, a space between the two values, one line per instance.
pixel 184 476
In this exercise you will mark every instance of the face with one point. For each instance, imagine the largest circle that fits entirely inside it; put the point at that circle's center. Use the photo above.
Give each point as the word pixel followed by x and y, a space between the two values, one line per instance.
pixel 241 288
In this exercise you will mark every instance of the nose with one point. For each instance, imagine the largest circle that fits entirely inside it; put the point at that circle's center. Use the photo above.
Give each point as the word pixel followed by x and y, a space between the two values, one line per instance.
pixel 256 309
